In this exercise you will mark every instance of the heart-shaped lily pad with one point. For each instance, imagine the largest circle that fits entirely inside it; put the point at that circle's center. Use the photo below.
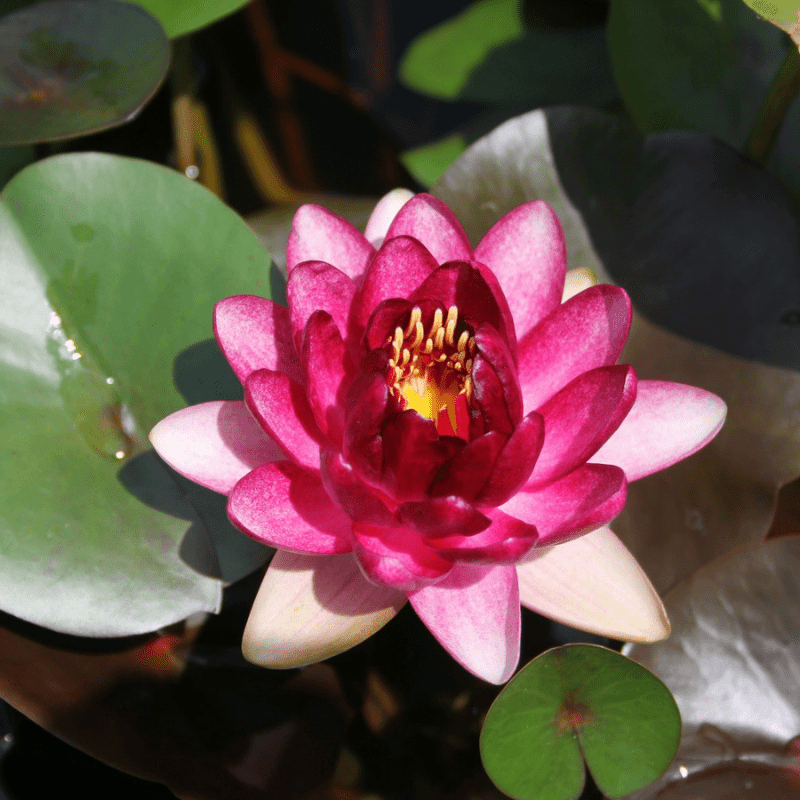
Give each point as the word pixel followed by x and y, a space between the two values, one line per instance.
pixel 576 703
pixel 112 267
pixel 73 67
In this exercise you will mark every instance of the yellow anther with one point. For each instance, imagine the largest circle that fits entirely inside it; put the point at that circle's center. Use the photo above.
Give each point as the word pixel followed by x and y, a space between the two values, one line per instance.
pixel 472 346
pixel 462 342
pixel 450 325
pixel 428 349
pixel 419 333
pixel 406 357
pixel 437 323
pixel 468 365
pixel 416 316
pixel 438 340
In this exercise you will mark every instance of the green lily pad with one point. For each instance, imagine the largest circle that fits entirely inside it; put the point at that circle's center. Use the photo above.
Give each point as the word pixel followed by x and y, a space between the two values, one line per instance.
pixel 74 67
pixel 428 163
pixel 184 16
pixel 485 54
pixel 783 13
pixel 576 703
pixel 108 282
pixel 703 65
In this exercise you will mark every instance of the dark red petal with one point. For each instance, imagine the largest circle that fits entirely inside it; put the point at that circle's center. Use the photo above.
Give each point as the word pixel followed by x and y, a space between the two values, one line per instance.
pixel 581 417
pixel 400 266
pixel 504 542
pixel 492 348
pixel 287 507
pixel 443 516
pixel 281 407
pixel 358 500
pixel 385 318
pixel 255 333
pixel 413 454
pixel 397 557
pixel 466 473
pixel 582 501
pixel 315 285
pixel 506 329
pixel 516 461
pixel 367 407
pixel 462 285
pixel 325 372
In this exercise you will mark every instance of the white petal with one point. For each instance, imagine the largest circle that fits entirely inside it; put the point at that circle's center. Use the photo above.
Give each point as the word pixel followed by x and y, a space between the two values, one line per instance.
pixel 312 607
pixel 593 583
pixel 383 214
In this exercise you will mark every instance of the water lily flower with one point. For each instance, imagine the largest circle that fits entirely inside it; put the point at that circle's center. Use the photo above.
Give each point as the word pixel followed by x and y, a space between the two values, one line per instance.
pixel 431 423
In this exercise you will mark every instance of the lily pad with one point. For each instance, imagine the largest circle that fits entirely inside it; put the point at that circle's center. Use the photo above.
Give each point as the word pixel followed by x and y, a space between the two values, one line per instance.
pixel 702 65
pixel 486 54
pixel 576 703
pixel 73 67
pixel 732 665
pixel 107 283
pixel 184 16
pixel 783 13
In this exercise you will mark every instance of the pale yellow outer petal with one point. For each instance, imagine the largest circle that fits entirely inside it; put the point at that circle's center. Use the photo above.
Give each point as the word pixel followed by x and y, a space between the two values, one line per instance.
pixel 312 607
pixel 593 583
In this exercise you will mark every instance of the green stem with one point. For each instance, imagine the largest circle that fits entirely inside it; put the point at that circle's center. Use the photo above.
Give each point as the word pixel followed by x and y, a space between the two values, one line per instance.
pixel 770 116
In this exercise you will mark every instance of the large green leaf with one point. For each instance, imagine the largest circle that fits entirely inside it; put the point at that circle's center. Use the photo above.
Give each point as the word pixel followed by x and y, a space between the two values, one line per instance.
pixel 573 703
pixel 783 13
pixel 184 16
pixel 485 54
pixel 703 65
pixel 112 267
pixel 76 66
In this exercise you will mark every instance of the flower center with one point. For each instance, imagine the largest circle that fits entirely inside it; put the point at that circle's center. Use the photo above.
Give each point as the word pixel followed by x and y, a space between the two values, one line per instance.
pixel 431 374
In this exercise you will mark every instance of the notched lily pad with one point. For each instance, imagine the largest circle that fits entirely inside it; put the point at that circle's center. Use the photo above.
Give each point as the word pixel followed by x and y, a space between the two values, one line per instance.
pixel 576 703
pixel 73 67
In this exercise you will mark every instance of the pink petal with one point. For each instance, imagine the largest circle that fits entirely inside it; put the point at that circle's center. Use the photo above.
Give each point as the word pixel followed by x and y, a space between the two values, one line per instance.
pixel 474 612
pixel 315 286
pixel 280 405
pixel 527 253
pixel 255 333
pixel 397 557
pixel 581 417
pixel 214 444
pixel 286 506
pixel 505 541
pixel 582 501
pixel 400 266
pixel 367 407
pixel 586 332
pixel 320 235
pixel 324 374
pixel 593 583
pixel 383 214
pixel 668 422
pixel 312 607
pixel 428 219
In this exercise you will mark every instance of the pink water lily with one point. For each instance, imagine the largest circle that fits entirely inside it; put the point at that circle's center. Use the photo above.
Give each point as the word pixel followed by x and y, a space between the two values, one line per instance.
pixel 430 422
